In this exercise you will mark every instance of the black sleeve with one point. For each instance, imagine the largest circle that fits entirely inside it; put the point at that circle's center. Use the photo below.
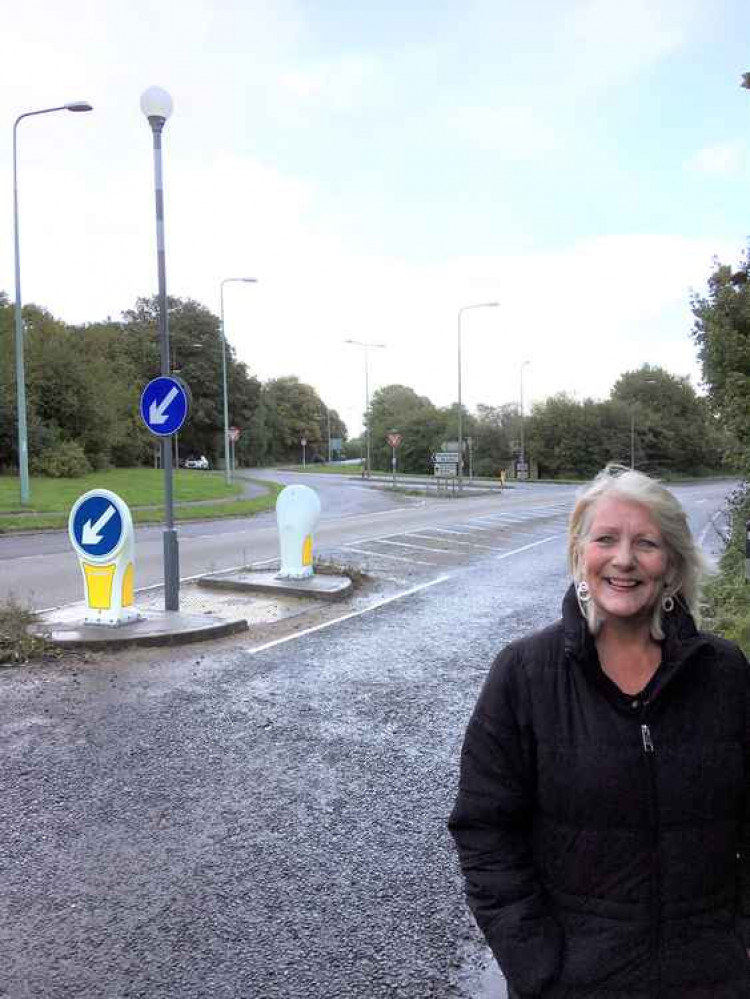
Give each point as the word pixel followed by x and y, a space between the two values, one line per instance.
pixel 491 824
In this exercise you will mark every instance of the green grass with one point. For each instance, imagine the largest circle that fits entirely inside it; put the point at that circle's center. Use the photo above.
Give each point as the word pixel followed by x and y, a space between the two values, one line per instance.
pixel 137 486
pixel 143 491
pixel 331 469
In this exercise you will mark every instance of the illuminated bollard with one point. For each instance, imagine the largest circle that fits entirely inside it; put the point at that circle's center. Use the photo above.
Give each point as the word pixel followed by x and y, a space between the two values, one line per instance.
pixel 297 513
pixel 101 532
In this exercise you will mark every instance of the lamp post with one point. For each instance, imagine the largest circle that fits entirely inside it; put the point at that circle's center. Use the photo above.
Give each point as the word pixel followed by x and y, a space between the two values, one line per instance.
pixel 23 446
pixel 156 105
pixel 227 463
pixel 523 445
pixel 366 346
pixel 465 308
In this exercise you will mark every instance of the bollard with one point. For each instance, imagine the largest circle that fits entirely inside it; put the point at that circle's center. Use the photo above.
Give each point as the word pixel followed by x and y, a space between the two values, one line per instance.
pixel 297 513
pixel 101 532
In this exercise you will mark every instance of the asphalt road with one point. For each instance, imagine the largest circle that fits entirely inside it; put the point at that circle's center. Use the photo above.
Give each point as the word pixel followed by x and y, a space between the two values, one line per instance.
pixel 227 822
pixel 42 571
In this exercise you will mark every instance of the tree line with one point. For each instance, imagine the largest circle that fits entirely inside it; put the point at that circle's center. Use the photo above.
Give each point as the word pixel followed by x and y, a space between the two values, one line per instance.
pixel 652 418
pixel 84 382
pixel 83 386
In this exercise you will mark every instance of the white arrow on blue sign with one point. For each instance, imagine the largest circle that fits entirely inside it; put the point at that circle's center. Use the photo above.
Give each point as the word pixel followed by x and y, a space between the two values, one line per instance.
pixel 96 524
pixel 164 405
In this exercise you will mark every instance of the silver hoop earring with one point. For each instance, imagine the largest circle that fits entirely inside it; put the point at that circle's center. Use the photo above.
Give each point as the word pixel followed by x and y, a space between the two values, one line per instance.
pixel 583 591
pixel 667 603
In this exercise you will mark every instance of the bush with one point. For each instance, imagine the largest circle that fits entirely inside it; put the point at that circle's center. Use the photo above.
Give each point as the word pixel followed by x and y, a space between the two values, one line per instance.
pixel 17 644
pixel 66 461
pixel 726 609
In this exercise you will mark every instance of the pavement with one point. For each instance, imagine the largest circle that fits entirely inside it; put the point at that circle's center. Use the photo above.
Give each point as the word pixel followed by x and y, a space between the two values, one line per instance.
pixel 212 607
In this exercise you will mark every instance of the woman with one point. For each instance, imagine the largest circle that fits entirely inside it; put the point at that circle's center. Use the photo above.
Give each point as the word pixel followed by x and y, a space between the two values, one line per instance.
pixel 603 815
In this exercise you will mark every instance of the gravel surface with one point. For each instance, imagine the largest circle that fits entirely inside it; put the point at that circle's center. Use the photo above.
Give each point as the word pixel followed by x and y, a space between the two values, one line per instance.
pixel 228 823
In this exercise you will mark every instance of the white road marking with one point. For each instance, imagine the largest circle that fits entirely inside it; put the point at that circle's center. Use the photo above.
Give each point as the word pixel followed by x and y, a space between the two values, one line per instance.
pixel 348 617
pixel 387 600
pixel 419 548
pixel 464 544
pixel 533 544
pixel 396 558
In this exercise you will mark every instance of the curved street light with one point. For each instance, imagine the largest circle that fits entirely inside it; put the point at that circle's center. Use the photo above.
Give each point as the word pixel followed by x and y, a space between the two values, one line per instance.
pixel 23 446
pixel 227 463
pixel 465 308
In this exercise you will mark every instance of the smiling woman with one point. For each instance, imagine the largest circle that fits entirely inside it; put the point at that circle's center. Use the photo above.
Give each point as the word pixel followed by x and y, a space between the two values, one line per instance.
pixel 603 814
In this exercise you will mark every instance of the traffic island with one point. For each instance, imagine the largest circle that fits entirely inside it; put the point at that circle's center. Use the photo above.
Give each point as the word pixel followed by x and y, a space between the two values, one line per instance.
pixel 319 587
pixel 66 628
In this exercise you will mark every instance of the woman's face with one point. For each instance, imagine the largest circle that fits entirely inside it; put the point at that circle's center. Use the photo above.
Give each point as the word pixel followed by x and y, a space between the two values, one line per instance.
pixel 625 560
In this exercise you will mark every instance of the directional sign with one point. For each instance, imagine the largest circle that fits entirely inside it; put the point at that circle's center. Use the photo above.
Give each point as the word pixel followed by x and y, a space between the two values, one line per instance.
pixel 446 458
pixel 446 471
pixel 164 405
pixel 97 524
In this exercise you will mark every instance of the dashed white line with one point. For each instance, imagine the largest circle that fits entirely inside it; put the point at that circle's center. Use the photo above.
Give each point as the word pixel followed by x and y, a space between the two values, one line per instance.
pixel 396 558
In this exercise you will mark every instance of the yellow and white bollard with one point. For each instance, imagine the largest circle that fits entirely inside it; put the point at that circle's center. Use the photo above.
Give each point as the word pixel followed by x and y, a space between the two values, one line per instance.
pixel 297 513
pixel 101 532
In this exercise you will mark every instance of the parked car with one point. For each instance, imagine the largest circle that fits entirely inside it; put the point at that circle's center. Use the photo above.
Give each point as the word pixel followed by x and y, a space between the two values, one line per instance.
pixel 201 462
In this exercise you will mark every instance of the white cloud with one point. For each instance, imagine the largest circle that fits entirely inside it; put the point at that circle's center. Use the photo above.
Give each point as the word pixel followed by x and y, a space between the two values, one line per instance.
pixel 720 160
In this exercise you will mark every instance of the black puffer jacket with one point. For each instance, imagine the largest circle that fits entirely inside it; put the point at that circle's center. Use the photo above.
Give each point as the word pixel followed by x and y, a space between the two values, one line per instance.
pixel 605 839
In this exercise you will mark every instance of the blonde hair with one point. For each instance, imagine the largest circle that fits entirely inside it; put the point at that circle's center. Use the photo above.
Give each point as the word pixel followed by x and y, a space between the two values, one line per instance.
pixel 686 563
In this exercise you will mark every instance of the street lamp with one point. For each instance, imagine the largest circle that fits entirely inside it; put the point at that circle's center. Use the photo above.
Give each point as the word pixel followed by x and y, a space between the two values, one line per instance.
pixel 465 308
pixel 156 105
pixel 523 446
pixel 227 463
pixel 23 446
pixel 366 346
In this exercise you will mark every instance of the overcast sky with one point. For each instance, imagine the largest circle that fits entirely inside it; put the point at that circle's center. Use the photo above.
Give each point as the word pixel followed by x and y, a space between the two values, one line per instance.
pixel 377 167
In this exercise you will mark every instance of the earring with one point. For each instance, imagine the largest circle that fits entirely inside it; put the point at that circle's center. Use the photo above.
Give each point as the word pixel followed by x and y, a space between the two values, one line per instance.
pixel 667 603
pixel 583 591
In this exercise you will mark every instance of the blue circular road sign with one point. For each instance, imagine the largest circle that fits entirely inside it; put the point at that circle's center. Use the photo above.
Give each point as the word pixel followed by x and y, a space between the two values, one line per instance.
pixel 164 405
pixel 97 524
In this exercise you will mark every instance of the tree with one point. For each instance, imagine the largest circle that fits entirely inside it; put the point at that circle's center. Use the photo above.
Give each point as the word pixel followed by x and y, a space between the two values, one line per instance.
pixel 422 427
pixel 721 332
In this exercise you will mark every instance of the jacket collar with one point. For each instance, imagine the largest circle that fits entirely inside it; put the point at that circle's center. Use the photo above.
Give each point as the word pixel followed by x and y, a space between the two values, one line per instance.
pixel 681 636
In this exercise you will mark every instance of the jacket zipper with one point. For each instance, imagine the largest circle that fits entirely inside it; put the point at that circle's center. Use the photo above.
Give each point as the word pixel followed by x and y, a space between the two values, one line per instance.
pixel 648 749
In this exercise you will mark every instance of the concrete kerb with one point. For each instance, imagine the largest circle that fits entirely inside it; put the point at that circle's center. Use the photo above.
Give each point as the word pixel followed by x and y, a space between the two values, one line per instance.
pixel 322 587
pixel 65 627
pixel 276 600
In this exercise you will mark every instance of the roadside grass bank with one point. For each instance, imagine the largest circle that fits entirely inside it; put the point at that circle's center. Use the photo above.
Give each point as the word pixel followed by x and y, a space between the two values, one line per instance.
pixel 727 595
pixel 198 496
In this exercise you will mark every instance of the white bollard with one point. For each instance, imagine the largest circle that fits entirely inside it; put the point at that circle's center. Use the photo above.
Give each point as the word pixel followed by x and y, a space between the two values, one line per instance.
pixel 297 513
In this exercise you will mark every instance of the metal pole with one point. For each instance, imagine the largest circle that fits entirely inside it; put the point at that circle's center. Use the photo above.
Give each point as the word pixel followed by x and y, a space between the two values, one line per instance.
pixel 227 463
pixel 479 305
pixel 367 414
pixel 171 547
pixel 330 453
pixel 23 450
pixel 460 414
pixel 632 438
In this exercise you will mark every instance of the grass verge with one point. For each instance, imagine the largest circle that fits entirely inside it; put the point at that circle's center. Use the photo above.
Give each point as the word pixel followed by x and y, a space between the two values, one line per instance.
pixel 37 520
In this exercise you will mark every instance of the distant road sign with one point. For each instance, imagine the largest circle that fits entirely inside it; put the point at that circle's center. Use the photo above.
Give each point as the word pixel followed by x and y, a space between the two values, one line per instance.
pixel 164 405
pixel 394 439
pixel 446 457
pixel 446 471
pixel 234 433
pixel 96 524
